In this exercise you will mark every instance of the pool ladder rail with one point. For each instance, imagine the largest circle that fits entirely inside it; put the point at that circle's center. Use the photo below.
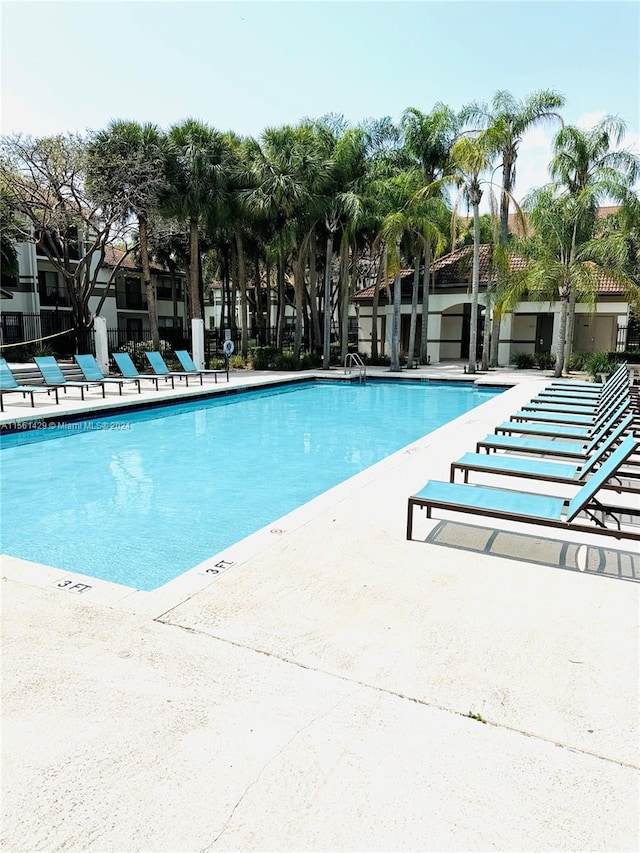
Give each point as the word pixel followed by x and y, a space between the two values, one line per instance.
pixel 351 360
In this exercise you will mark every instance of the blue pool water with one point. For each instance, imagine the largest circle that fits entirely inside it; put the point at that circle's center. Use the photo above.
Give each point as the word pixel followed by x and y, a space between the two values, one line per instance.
pixel 139 498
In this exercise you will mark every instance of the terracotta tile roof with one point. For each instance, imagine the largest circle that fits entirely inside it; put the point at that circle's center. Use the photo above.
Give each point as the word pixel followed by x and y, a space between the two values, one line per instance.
pixel 113 254
pixel 455 269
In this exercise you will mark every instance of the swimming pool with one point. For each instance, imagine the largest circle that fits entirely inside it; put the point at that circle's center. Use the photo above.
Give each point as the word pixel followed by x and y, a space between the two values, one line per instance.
pixel 139 498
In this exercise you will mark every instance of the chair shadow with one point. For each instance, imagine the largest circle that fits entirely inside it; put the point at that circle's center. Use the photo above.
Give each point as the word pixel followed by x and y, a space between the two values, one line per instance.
pixel 542 551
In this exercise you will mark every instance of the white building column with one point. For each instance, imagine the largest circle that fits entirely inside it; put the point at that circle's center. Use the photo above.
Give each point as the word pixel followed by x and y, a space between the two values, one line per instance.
pixel 197 342
pixel 101 343
pixel 434 331
pixel 504 342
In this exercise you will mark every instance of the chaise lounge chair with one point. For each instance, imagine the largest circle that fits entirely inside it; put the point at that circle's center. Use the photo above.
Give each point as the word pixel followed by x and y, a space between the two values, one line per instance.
pixel 579 403
pixel 55 378
pixel 129 371
pixel 561 429
pixel 561 447
pixel 583 417
pixel 10 385
pixel 507 464
pixel 159 367
pixel 91 371
pixel 532 508
pixel 189 366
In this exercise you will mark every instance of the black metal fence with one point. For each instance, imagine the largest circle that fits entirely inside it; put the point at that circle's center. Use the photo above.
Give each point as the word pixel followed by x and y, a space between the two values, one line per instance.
pixel 24 334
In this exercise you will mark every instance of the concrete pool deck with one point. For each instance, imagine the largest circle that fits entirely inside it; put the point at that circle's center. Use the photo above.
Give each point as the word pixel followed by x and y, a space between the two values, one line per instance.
pixel 335 687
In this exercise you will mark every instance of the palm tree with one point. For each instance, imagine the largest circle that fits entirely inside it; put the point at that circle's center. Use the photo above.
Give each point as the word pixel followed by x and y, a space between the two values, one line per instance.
pixel 564 261
pixel 471 158
pixel 197 161
pixel 588 167
pixel 126 161
pixel 429 138
pixel 288 172
pixel 509 119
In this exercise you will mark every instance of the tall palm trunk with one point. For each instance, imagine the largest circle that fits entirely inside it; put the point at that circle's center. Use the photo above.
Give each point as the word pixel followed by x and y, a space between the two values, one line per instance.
pixel 326 352
pixel 194 266
pixel 475 281
pixel 396 316
pixel 426 280
pixel 414 308
pixel 299 264
pixel 562 331
pixel 382 271
pixel 242 284
pixel 143 231
pixel 344 299
pixel 316 336
pixel 571 324
pixel 280 306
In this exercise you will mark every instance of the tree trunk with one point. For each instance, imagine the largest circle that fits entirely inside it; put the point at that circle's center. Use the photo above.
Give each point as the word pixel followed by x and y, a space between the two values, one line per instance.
pixel 397 316
pixel 414 309
pixel 562 331
pixel 571 323
pixel 475 286
pixel 280 306
pixel 344 299
pixel 326 351
pixel 242 284
pixel 426 281
pixel 148 286
pixel 486 340
pixel 495 336
pixel 194 267
pixel 316 336
pixel 299 284
pixel 382 271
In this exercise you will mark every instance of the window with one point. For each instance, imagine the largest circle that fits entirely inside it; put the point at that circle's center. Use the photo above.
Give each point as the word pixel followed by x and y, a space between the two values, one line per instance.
pixel 164 288
pixel 169 322
pixel 129 294
pixel 50 291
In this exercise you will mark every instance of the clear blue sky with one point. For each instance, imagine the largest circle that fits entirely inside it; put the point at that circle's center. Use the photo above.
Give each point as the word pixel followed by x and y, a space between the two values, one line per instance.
pixel 245 66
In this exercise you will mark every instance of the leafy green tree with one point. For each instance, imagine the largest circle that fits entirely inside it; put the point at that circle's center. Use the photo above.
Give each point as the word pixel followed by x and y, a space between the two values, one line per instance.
pixel 46 178
pixel 125 164
pixel 196 171
pixel 590 168
pixel 11 232
pixel 472 157
pixel 429 138
pixel 563 260
pixel 508 119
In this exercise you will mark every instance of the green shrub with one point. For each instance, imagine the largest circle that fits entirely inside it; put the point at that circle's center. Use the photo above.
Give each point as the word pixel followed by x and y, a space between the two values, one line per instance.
pixel 524 360
pixel 600 362
pixel 576 361
pixel 262 358
pixel 285 361
pixel 218 362
pixel 237 362
pixel 309 360
pixel 544 360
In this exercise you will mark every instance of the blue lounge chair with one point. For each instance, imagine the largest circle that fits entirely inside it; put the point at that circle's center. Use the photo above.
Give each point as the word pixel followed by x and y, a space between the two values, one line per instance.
pixel 53 376
pixel 129 371
pixel 617 384
pixel 532 508
pixel 560 447
pixel 189 366
pixel 562 430
pixel 159 367
pixel 582 415
pixel 10 385
pixel 544 469
pixel 91 371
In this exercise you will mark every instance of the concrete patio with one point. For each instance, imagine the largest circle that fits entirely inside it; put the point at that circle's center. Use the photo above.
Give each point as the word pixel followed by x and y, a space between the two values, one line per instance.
pixel 336 687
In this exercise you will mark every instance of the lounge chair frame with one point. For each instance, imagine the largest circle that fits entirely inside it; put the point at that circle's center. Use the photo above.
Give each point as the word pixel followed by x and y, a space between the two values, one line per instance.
pixel 584 500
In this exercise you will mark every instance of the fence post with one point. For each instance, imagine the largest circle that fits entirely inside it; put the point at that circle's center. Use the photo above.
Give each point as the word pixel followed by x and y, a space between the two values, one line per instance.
pixel 101 343
pixel 197 342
